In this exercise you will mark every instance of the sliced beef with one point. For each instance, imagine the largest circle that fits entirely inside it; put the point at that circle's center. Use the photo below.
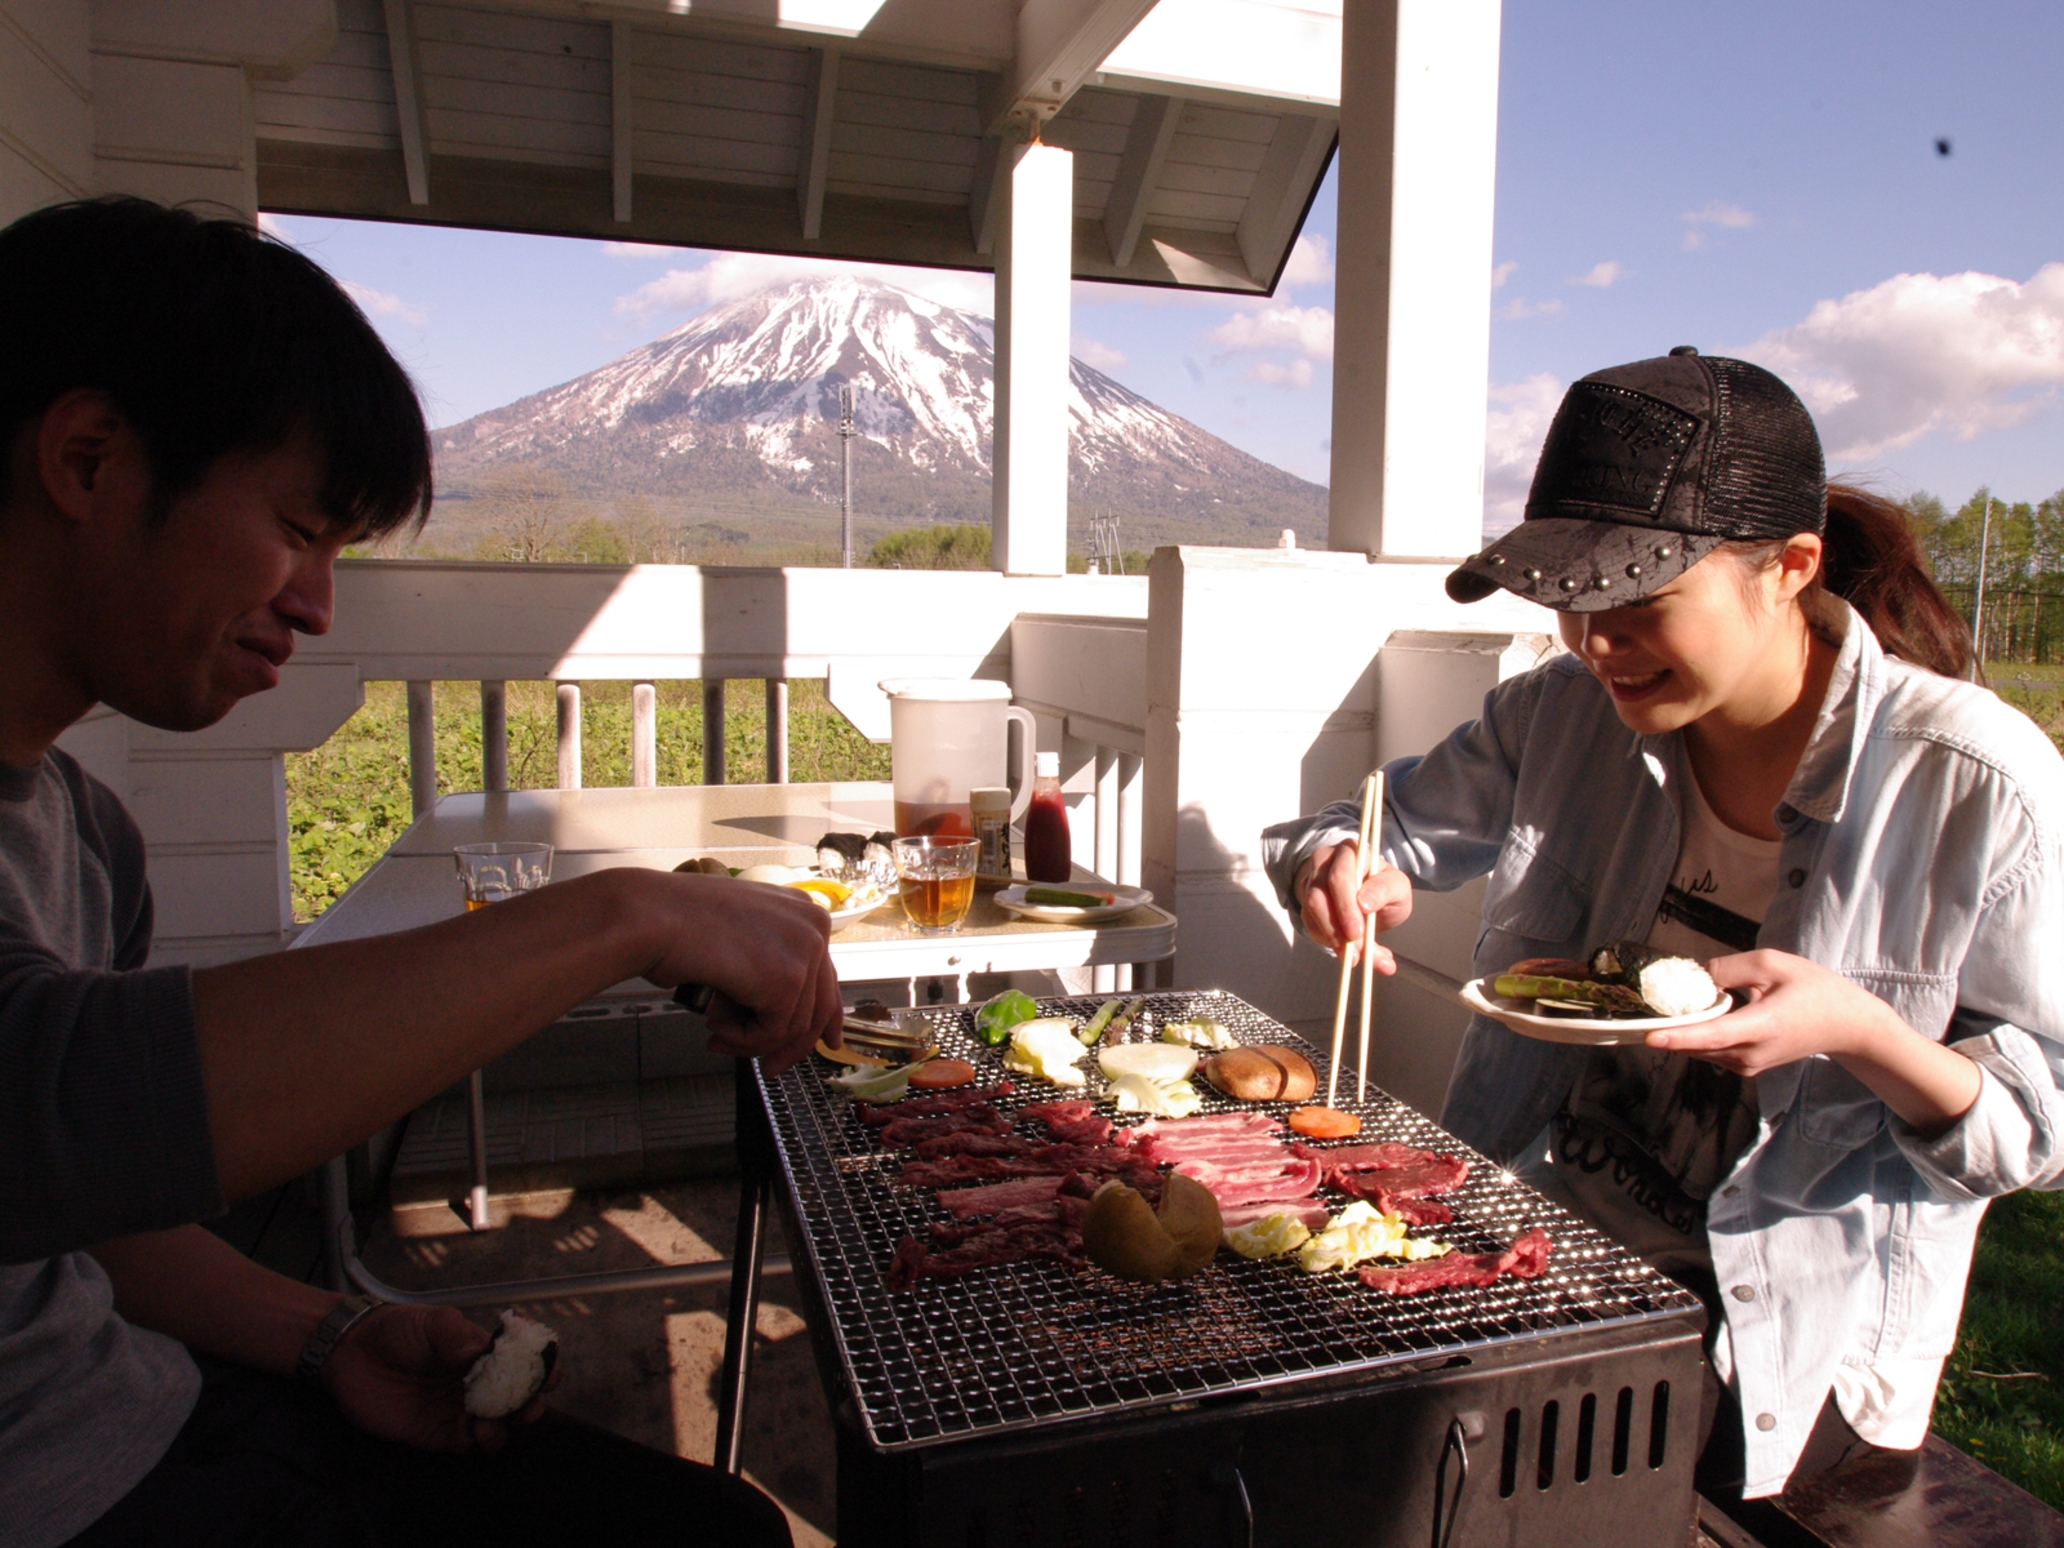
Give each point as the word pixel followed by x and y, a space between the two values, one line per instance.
pixel 1369 1186
pixel 1076 1122
pixel 964 1203
pixel 1524 1259
pixel 1040 1161
pixel 932 1106
pixel 986 1249
pixel 972 1142
pixel 976 1120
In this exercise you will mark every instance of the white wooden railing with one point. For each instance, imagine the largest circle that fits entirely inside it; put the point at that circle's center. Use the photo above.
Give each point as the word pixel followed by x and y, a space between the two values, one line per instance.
pixel 1232 689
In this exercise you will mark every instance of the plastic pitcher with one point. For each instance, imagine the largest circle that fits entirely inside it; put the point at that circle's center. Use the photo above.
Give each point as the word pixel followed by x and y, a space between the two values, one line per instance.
pixel 949 736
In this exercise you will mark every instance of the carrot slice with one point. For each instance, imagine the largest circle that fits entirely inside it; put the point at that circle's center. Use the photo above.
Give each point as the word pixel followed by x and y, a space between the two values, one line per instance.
pixel 1314 1122
pixel 937 1074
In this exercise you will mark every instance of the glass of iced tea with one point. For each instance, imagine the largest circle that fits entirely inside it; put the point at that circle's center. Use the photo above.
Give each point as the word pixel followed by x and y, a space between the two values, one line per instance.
pixel 938 881
pixel 493 873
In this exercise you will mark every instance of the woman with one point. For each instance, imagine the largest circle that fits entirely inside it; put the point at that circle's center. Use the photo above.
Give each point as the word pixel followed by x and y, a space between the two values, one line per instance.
pixel 1757 753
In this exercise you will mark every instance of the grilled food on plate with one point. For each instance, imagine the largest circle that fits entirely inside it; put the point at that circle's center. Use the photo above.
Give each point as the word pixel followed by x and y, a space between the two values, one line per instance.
pixel 1625 980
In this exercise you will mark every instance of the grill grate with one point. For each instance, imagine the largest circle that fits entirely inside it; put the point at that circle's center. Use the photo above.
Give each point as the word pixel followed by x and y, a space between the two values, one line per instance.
pixel 1036 1341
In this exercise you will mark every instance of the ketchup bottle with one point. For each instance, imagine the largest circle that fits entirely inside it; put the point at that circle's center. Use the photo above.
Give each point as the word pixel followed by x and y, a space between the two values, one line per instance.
pixel 1049 856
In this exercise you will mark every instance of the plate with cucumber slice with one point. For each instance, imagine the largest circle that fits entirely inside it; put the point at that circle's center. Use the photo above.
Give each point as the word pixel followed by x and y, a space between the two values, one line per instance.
pixel 1087 903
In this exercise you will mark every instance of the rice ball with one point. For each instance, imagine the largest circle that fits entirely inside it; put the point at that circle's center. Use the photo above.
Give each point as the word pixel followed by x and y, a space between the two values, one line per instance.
pixel 514 1369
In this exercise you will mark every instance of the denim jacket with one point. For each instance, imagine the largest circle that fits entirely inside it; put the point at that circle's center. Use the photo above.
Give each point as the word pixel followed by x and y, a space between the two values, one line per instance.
pixel 1920 858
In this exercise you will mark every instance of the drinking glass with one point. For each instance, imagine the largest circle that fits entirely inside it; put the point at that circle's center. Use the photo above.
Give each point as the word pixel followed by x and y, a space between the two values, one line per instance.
pixel 492 873
pixel 938 881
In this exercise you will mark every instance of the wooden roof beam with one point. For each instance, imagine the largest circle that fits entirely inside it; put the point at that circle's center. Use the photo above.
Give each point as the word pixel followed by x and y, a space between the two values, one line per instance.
pixel 622 125
pixel 1139 170
pixel 1060 44
pixel 813 156
pixel 408 99
pixel 1290 170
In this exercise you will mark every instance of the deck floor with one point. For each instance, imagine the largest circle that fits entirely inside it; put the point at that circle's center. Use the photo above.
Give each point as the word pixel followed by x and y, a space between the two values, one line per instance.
pixel 644 1365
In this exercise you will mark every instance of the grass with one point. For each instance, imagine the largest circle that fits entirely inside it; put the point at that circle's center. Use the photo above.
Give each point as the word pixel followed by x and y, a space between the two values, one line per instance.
pixel 349 799
pixel 2002 1393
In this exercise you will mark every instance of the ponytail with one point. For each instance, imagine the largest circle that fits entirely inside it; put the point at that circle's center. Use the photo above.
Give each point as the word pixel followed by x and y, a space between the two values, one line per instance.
pixel 1873 560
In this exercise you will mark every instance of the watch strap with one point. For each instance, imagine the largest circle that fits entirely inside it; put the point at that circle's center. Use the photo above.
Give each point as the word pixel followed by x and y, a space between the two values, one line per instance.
pixel 342 1317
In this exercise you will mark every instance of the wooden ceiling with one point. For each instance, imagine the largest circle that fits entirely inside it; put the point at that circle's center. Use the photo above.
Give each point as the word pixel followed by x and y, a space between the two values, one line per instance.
pixel 780 126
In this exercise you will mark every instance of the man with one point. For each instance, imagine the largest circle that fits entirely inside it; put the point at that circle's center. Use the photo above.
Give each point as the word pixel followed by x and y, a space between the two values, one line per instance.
pixel 196 421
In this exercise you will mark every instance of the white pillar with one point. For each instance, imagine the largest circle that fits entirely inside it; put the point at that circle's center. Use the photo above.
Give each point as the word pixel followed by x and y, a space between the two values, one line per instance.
pixel 422 747
pixel 568 698
pixel 644 735
pixel 1034 247
pixel 1412 285
pixel 494 735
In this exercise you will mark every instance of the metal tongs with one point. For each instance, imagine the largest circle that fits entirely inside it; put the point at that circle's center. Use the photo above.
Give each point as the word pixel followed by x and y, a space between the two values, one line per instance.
pixel 881 1035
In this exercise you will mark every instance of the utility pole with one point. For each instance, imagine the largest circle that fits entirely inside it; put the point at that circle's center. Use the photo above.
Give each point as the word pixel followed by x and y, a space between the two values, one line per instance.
pixel 1978 605
pixel 846 433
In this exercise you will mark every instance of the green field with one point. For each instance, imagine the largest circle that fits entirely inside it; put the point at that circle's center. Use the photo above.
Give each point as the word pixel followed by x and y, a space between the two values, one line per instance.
pixel 349 799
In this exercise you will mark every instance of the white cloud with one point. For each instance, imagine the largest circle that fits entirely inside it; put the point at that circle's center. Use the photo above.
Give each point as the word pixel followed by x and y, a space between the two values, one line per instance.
pixel 378 303
pixel 1515 423
pixel 1297 373
pixel 274 227
pixel 1961 353
pixel 1305 330
pixel 1094 352
pixel 1311 263
pixel 1601 276
pixel 1519 309
pixel 730 277
pixel 639 250
pixel 1730 217
pixel 1502 273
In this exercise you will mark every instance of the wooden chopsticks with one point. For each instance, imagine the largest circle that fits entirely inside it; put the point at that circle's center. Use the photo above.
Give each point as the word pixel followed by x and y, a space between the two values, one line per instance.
pixel 1365 863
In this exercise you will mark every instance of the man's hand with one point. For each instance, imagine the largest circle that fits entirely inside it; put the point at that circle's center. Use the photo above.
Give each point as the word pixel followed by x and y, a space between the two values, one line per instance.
pixel 765 949
pixel 400 1374
pixel 1334 908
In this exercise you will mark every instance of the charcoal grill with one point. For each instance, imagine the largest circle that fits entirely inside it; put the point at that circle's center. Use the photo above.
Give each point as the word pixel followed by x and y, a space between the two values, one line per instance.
pixel 1035 1403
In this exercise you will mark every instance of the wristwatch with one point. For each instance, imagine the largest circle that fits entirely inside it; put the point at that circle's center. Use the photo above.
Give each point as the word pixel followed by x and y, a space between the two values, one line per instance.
pixel 343 1317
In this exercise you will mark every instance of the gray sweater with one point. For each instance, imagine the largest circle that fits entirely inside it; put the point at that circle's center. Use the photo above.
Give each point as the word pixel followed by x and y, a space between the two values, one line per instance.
pixel 103 1132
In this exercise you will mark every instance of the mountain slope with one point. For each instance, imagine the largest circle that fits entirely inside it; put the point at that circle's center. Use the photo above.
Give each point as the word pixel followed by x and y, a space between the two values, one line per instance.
pixel 737 411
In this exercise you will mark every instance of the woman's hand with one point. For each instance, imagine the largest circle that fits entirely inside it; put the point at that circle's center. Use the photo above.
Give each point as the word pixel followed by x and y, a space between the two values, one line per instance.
pixel 1334 908
pixel 1798 1008
pixel 400 1374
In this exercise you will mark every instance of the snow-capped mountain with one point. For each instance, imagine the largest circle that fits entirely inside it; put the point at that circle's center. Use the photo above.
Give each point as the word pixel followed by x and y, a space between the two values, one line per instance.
pixel 742 404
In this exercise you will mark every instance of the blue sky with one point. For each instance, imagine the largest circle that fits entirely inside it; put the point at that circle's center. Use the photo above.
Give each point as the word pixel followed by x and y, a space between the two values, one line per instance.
pixel 1750 177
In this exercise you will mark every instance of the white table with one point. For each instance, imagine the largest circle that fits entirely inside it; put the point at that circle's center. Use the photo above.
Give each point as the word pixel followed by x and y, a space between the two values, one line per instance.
pixel 415 884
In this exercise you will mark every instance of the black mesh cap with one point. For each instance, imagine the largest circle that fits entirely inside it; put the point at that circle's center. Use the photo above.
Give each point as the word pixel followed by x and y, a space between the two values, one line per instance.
pixel 1648 468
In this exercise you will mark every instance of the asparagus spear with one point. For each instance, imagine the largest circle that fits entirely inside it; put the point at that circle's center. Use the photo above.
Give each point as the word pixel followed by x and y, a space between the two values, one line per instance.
pixel 1094 1027
pixel 1612 999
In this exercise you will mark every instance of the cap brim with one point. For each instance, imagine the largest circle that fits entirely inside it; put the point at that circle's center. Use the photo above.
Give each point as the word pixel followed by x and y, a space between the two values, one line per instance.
pixel 1578 566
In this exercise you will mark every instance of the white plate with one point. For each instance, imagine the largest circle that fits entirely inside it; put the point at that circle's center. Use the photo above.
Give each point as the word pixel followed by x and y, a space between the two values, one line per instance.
pixel 854 909
pixel 1581 1029
pixel 1127 899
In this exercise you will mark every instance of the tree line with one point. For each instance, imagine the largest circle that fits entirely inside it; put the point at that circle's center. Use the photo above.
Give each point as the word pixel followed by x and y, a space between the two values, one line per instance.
pixel 2023 553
